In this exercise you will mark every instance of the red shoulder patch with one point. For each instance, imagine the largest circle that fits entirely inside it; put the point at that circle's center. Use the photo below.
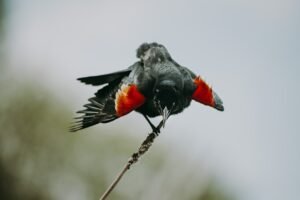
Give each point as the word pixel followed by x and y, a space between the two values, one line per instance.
pixel 203 92
pixel 127 99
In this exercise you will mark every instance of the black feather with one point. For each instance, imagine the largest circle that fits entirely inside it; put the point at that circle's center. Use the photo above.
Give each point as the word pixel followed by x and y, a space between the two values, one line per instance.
pixel 106 78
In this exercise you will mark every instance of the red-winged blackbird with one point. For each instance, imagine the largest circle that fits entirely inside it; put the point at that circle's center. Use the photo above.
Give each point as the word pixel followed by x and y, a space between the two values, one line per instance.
pixel 155 85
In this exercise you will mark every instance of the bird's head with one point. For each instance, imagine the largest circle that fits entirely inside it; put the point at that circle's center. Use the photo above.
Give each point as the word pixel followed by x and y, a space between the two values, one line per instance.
pixel 152 53
pixel 166 98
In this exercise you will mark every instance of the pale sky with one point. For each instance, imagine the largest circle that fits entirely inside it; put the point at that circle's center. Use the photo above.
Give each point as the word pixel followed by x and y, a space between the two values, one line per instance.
pixel 247 50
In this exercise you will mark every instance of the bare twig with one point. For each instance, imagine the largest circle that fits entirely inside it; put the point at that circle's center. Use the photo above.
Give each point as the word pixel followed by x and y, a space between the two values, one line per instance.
pixel 133 159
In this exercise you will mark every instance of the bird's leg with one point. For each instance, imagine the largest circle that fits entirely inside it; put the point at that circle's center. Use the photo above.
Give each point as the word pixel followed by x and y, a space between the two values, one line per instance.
pixel 155 129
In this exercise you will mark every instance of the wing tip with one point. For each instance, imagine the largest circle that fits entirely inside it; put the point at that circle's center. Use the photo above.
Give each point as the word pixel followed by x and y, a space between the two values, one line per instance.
pixel 87 81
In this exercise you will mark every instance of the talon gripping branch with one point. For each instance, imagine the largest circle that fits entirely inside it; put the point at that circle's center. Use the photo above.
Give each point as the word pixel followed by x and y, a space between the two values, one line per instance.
pixel 155 85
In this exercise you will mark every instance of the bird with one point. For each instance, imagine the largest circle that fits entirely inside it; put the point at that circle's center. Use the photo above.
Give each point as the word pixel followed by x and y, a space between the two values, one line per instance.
pixel 155 85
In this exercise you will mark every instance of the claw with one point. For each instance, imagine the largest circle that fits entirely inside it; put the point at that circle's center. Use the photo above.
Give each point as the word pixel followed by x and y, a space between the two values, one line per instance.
pixel 155 130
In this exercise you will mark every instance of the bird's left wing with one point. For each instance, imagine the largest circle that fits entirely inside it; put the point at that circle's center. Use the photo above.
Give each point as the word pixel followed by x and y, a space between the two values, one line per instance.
pixel 201 91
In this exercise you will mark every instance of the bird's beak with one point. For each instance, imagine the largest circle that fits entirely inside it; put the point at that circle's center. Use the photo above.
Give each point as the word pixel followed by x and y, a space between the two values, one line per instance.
pixel 165 115
pixel 218 103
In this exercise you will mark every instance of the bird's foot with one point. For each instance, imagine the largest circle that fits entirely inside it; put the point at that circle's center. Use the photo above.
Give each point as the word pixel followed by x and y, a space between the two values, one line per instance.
pixel 155 130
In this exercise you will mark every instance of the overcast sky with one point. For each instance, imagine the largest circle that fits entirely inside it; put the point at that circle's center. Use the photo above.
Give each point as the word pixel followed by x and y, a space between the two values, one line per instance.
pixel 249 51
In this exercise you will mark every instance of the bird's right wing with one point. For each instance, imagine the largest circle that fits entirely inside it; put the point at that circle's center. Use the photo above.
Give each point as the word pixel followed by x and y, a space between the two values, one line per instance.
pixel 116 99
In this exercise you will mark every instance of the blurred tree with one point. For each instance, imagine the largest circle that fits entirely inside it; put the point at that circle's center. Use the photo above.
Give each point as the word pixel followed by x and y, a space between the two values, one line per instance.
pixel 214 192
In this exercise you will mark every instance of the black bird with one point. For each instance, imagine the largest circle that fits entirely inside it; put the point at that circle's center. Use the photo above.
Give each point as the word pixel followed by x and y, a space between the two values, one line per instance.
pixel 155 85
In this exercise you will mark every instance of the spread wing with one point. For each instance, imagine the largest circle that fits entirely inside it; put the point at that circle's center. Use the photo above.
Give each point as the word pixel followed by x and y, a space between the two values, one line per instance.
pixel 116 99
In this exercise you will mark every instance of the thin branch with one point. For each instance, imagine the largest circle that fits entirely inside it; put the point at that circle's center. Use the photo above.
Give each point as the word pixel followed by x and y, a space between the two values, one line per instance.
pixel 133 159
